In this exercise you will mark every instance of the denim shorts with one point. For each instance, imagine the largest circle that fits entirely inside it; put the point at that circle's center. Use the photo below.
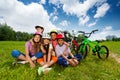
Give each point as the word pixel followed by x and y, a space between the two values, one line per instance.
pixel 16 54
pixel 63 62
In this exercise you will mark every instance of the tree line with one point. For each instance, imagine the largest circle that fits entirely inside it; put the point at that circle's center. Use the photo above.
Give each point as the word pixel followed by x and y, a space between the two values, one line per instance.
pixel 8 34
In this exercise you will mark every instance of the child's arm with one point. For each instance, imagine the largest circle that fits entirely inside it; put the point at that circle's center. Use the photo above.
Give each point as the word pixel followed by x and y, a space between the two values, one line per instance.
pixel 50 52
pixel 44 53
pixel 65 57
pixel 28 58
pixel 71 55
pixel 45 58
pixel 67 45
pixel 42 49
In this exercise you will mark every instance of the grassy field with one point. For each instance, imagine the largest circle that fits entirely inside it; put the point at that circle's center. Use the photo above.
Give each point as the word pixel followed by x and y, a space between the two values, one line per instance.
pixel 91 68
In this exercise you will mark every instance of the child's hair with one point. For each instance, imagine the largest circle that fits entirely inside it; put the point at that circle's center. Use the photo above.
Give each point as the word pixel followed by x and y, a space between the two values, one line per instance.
pixel 46 47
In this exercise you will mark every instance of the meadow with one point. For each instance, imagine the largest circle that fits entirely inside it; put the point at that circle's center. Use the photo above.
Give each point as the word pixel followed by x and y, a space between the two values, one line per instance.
pixel 92 68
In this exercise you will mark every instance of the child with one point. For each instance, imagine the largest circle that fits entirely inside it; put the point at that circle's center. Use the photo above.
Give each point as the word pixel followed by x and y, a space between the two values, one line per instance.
pixel 54 42
pixel 67 57
pixel 32 51
pixel 48 59
pixel 39 29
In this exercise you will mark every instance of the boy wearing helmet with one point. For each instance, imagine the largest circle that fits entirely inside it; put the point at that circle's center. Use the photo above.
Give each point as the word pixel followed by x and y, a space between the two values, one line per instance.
pixel 54 41
pixel 64 59
pixel 48 59
pixel 33 51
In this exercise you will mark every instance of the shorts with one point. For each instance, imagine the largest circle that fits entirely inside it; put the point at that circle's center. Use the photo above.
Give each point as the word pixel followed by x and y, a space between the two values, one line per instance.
pixel 54 58
pixel 63 62
pixel 16 54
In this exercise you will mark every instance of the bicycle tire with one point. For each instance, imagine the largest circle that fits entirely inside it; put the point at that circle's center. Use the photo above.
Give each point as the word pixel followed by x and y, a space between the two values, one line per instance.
pixel 103 52
pixel 81 51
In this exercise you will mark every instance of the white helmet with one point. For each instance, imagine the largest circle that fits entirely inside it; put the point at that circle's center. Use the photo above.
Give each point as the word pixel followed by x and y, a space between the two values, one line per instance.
pixel 45 35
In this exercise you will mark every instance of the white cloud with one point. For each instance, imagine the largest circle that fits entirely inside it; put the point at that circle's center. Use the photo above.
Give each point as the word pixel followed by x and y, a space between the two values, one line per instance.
pixel 83 20
pixel 64 23
pixel 54 14
pixel 92 24
pixel 107 28
pixel 101 11
pixel 79 9
pixel 56 3
pixel 42 1
pixel 105 32
pixel 24 17
pixel 55 18
pixel 118 4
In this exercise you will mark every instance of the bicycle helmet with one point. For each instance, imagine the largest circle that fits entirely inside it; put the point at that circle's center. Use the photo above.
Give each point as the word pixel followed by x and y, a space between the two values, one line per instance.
pixel 60 36
pixel 38 27
pixel 46 36
pixel 53 31
pixel 37 33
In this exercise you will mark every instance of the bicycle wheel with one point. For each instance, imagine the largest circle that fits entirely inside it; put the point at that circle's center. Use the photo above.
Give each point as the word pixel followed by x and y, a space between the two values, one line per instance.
pixel 88 48
pixel 82 50
pixel 103 52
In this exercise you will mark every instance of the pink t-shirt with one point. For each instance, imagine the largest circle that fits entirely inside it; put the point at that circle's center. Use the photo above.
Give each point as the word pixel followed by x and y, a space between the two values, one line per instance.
pixel 54 43
pixel 30 48
pixel 60 49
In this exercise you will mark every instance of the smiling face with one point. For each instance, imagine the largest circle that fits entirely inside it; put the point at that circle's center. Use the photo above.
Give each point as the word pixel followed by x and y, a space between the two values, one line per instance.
pixel 39 30
pixel 37 38
pixel 46 41
pixel 53 36
pixel 60 42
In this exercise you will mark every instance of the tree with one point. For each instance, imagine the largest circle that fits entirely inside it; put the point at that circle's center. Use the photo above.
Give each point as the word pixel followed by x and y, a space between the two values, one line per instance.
pixel 6 33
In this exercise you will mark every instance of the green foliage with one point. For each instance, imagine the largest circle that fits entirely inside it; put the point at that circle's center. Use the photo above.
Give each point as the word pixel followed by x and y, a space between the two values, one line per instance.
pixel 91 68
pixel 8 34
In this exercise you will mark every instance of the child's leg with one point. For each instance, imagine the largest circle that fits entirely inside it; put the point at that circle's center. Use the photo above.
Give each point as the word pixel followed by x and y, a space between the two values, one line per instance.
pixel 17 54
pixel 54 60
pixel 78 56
pixel 62 61
pixel 73 62
pixel 40 61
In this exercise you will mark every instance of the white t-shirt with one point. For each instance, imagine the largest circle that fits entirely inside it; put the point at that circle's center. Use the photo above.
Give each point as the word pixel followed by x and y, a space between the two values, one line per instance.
pixel 60 49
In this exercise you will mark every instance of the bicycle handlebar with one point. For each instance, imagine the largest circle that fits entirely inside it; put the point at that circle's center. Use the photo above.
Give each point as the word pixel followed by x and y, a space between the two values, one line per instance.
pixel 92 32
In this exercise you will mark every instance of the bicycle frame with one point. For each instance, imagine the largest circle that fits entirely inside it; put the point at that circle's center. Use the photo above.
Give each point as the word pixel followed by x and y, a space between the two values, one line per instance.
pixel 91 44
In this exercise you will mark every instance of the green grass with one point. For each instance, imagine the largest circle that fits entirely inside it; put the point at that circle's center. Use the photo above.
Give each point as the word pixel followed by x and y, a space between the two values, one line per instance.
pixel 91 68
pixel 113 46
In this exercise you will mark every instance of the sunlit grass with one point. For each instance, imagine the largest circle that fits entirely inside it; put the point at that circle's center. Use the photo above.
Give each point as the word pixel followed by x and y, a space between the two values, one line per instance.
pixel 92 68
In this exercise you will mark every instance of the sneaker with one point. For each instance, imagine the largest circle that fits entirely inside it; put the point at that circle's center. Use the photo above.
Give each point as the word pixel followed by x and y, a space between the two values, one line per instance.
pixel 14 63
pixel 40 71
pixel 21 62
pixel 46 70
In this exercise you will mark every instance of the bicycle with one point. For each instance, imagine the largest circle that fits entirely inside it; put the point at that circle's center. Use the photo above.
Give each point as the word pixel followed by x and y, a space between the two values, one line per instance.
pixel 72 40
pixel 101 50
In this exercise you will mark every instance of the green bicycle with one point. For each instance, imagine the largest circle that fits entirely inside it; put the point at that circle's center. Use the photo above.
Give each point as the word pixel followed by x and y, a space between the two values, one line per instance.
pixel 101 50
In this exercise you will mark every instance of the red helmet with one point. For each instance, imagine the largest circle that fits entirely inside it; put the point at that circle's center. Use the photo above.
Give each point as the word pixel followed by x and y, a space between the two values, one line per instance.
pixel 60 36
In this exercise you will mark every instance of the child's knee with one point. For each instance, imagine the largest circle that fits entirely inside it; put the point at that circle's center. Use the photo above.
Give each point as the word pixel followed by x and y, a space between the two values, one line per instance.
pixel 54 59
pixel 15 53
pixel 62 62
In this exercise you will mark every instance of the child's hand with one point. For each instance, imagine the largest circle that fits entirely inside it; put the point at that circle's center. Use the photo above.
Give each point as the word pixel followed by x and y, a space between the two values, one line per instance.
pixel 64 53
pixel 75 60
pixel 32 65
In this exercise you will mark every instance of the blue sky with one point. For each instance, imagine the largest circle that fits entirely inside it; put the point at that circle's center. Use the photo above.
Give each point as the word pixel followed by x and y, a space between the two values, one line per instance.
pixel 85 15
